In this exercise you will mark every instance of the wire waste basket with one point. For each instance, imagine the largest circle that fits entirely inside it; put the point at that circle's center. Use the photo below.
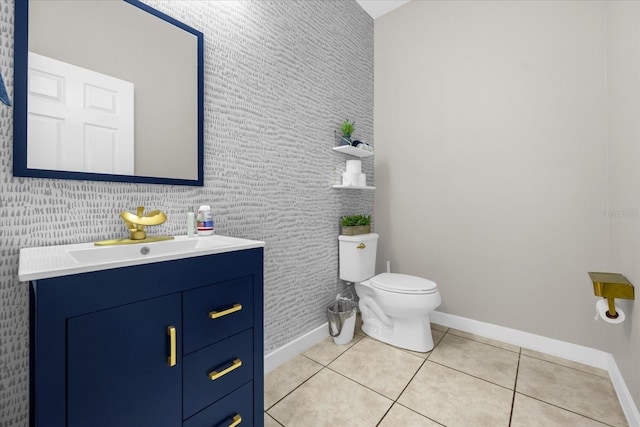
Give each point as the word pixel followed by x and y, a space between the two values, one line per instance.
pixel 341 316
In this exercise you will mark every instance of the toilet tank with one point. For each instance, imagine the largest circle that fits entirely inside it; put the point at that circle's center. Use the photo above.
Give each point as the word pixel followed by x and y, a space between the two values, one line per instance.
pixel 357 257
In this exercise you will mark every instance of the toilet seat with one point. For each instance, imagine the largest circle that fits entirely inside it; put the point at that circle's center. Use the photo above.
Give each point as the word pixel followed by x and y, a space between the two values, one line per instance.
pixel 403 284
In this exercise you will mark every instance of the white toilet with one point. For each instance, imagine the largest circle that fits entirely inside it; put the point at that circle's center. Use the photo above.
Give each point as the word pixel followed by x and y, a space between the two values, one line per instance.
pixel 395 307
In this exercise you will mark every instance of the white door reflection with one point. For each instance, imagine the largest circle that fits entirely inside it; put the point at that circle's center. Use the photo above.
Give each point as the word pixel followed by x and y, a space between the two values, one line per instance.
pixel 78 119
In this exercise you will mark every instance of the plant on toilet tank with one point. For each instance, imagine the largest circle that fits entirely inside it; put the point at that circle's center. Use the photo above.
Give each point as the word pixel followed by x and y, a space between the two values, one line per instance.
pixel 353 225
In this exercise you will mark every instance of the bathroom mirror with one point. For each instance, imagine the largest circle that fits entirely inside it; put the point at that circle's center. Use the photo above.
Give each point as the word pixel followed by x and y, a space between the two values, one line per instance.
pixel 107 90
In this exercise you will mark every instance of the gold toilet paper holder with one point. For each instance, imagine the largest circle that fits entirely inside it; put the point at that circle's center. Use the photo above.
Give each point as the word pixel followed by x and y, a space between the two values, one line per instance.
pixel 611 286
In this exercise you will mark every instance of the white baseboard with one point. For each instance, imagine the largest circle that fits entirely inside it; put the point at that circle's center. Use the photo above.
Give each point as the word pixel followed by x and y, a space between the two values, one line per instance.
pixel 295 347
pixel 577 353
pixel 624 396
pixel 565 350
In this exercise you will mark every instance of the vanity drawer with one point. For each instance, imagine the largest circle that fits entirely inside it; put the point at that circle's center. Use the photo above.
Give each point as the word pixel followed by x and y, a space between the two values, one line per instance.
pixel 231 359
pixel 217 311
pixel 237 404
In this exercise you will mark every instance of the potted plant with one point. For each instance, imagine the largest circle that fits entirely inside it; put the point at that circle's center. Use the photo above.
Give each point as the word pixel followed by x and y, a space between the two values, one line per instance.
pixel 347 129
pixel 352 225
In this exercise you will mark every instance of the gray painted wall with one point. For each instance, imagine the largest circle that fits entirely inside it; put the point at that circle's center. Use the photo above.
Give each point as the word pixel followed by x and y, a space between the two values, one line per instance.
pixel 623 142
pixel 521 135
pixel 279 78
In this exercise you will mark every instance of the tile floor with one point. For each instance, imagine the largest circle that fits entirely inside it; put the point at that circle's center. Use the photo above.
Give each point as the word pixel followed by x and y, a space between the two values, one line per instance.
pixel 466 380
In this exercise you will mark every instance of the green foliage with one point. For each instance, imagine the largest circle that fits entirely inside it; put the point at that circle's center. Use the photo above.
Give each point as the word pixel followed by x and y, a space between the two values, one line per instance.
pixel 351 220
pixel 348 128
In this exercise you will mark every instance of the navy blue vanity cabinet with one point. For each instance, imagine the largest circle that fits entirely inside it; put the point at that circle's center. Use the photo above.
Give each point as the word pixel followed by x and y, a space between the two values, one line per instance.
pixel 131 339
pixel 164 344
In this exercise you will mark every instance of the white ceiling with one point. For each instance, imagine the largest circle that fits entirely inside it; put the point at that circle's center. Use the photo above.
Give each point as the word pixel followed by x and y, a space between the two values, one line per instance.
pixel 377 8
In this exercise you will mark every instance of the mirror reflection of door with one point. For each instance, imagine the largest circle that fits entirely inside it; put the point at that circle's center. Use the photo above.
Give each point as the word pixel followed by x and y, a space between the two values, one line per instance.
pixel 79 120
pixel 124 39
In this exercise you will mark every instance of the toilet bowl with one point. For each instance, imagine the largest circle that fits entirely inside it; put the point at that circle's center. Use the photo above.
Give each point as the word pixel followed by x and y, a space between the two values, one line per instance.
pixel 395 307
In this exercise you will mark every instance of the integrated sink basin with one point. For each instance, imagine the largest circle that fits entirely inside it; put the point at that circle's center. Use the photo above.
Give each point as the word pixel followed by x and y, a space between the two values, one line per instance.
pixel 54 261
pixel 130 252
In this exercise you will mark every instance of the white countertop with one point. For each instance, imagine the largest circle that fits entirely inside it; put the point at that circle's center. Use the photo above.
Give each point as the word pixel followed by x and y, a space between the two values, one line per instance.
pixel 62 260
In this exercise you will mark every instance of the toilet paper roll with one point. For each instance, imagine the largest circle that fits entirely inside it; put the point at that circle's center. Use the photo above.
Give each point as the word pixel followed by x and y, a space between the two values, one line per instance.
pixel 354 166
pixel 354 179
pixel 601 309
pixel 351 179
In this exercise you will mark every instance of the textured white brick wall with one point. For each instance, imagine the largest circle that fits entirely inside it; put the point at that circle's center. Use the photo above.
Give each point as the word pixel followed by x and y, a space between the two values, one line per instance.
pixel 279 78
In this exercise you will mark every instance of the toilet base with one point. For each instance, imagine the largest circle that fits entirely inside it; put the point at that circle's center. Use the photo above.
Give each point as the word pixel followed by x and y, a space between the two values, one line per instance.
pixel 409 333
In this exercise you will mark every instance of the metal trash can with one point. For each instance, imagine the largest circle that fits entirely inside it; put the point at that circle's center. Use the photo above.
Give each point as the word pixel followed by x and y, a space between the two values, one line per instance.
pixel 341 315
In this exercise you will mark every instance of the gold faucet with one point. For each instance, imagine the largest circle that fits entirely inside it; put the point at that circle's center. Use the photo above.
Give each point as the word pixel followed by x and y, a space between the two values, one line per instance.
pixel 135 224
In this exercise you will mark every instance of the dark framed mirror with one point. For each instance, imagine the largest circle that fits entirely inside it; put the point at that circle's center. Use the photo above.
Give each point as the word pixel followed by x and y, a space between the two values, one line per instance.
pixel 107 91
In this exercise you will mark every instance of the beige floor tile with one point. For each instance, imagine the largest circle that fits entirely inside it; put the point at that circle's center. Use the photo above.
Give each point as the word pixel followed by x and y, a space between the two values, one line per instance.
pixel 439 327
pixel 482 339
pixel 285 378
pixel 565 362
pixel 381 367
pixel 436 335
pixel 417 353
pixel 270 422
pixel 401 416
pixel 480 360
pixel 329 399
pixel 528 412
pixel 580 392
pixel 359 326
pixel 326 350
pixel 452 398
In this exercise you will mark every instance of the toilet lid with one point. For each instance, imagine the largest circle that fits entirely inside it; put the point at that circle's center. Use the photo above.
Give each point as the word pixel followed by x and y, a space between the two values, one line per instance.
pixel 403 283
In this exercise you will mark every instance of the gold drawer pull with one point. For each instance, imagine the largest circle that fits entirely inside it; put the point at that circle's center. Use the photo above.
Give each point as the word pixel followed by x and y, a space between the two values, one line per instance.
pixel 214 375
pixel 171 360
pixel 216 314
pixel 237 419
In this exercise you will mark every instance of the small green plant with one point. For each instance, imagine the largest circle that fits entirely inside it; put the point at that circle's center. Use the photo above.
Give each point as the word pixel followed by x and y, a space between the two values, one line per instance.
pixel 347 128
pixel 354 220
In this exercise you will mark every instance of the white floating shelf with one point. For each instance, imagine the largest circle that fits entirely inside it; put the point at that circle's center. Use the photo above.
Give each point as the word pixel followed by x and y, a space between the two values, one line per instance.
pixel 355 187
pixel 353 151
